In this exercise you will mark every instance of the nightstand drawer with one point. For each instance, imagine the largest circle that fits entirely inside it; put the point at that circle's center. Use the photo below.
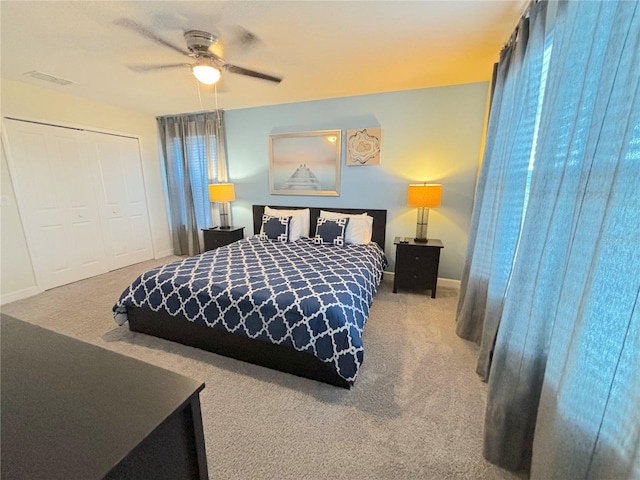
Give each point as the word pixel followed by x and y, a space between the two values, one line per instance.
pixel 415 275
pixel 416 258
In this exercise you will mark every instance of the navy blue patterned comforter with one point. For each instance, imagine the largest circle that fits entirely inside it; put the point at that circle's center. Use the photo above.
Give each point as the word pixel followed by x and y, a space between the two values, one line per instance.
pixel 314 298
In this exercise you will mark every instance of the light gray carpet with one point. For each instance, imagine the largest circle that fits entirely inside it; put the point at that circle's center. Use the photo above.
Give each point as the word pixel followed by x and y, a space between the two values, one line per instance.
pixel 416 410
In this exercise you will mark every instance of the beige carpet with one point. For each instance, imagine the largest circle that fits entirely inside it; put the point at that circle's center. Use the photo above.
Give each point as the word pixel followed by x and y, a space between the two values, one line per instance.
pixel 416 410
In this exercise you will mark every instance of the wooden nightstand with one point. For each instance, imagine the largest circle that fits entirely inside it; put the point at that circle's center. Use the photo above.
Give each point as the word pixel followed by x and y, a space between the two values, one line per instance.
pixel 219 237
pixel 417 264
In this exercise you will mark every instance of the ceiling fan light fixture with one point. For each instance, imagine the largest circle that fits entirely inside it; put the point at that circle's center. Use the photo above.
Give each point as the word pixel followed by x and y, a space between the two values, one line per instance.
pixel 206 73
pixel 208 66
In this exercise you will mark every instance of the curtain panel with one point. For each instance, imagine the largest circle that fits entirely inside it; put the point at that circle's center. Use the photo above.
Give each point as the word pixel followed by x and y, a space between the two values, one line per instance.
pixel 561 295
pixel 194 155
pixel 500 197
pixel 567 357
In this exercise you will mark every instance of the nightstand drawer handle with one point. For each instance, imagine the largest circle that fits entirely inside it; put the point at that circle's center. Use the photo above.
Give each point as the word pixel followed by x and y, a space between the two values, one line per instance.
pixel 417 258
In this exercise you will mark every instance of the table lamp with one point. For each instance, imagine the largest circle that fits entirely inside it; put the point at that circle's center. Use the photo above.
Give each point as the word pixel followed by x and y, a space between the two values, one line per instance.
pixel 424 196
pixel 222 193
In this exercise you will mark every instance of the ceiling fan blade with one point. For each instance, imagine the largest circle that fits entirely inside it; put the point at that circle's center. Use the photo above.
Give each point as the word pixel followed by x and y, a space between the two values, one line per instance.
pixel 145 32
pixel 243 38
pixel 234 41
pixel 252 73
pixel 150 68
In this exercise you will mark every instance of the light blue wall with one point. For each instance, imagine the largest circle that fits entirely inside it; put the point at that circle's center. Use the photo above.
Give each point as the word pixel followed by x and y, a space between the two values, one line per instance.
pixel 431 135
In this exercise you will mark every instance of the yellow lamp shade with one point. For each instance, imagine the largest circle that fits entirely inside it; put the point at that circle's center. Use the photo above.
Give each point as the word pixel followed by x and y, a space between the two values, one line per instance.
pixel 222 192
pixel 424 195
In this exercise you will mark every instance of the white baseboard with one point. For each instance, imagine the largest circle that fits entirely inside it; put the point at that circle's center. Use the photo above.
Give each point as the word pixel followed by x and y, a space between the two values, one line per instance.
pixel 449 283
pixel 19 295
pixel 442 282
pixel 163 253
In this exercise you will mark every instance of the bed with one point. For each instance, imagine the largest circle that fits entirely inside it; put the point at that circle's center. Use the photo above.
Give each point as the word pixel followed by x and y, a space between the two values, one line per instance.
pixel 297 307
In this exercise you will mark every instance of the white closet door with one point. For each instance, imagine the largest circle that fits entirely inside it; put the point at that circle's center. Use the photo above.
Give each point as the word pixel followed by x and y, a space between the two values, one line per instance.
pixel 58 207
pixel 121 199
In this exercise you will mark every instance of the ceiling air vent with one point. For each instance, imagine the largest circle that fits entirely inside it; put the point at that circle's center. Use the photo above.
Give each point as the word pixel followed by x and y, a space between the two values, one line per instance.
pixel 47 78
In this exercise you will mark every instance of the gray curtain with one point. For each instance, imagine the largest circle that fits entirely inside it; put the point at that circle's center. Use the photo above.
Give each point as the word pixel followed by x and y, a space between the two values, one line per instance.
pixel 564 388
pixel 194 155
pixel 500 201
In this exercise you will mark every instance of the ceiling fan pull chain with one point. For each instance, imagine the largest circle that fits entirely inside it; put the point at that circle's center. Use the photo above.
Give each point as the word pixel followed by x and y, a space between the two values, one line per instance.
pixel 199 96
pixel 215 93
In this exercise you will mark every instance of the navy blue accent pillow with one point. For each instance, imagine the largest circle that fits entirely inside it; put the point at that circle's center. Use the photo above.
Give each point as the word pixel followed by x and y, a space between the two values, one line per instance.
pixel 331 232
pixel 275 228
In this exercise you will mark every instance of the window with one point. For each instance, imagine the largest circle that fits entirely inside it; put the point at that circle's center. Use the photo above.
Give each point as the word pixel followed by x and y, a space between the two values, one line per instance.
pixel 189 146
pixel 201 173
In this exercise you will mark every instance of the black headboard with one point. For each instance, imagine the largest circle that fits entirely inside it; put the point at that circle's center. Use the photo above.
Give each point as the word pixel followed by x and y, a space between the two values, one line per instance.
pixel 379 219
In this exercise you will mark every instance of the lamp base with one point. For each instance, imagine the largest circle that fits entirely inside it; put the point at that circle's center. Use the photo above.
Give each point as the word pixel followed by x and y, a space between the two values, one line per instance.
pixel 421 225
pixel 224 217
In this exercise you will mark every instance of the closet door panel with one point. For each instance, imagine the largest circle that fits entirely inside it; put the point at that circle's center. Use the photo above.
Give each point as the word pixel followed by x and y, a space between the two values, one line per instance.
pixel 86 232
pixel 122 200
pixel 57 203
pixel 47 202
pixel 58 260
pixel 118 231
pixel 138 226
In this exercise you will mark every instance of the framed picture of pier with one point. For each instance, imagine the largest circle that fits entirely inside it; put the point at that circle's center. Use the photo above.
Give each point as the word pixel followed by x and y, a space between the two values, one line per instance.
pixel 306 163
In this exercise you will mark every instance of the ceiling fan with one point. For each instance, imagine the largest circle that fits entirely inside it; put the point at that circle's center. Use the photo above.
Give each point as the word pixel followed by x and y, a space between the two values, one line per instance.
pixel 208 66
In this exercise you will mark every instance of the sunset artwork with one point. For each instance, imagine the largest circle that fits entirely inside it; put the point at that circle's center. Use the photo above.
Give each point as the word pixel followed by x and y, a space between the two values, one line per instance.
pixel 305 163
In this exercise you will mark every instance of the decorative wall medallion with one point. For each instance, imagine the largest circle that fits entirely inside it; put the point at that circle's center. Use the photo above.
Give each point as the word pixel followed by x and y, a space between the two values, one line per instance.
pixel 363 146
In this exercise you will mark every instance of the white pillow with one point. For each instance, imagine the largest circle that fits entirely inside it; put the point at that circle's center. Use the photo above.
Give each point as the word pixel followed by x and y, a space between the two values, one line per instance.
pixel 359 228
pixel 300 221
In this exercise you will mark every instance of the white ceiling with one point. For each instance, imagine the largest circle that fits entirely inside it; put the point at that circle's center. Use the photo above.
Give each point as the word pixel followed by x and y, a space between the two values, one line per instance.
pixel 322 49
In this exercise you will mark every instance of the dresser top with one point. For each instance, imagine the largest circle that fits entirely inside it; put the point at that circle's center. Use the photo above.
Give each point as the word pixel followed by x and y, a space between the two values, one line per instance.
pixel 75 410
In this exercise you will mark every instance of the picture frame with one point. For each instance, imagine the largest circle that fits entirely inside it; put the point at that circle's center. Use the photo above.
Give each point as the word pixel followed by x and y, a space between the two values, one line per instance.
pixel 305 163
pixel 363 146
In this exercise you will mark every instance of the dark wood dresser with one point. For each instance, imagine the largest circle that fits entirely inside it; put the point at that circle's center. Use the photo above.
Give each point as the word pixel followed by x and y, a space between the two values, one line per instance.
pixel 71 410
